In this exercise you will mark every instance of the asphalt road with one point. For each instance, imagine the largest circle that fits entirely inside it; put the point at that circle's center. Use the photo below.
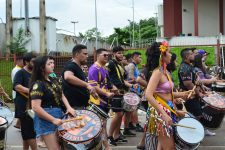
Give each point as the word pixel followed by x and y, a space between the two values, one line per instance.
pixel 14 142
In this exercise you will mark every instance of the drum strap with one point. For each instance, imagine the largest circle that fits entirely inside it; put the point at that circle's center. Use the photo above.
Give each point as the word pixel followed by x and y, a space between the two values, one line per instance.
pixel 161 101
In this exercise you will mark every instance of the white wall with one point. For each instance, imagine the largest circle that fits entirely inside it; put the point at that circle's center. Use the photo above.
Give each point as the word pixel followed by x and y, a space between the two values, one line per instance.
pixel 209 23
pixel 208 17
pixel 34 38
pixel 187 17
pixel 2 37
pixel 51 35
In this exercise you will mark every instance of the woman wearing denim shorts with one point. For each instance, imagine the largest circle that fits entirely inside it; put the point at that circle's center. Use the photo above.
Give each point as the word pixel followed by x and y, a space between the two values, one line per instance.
pixel 47 101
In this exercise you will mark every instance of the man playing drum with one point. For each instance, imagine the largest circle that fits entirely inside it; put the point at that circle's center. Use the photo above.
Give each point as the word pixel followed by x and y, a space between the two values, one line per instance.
pixel 116 74
pixel 187 78
pixel 74 81
pixel 99 78
pixel 133 73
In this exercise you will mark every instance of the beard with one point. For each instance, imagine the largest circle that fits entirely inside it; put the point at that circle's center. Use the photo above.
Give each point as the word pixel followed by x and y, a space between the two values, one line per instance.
pixel 30 67
pixel 118 59
pixel 83 62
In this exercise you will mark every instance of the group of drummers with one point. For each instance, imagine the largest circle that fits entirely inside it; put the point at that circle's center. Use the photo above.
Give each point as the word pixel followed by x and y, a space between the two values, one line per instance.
pixel 71 112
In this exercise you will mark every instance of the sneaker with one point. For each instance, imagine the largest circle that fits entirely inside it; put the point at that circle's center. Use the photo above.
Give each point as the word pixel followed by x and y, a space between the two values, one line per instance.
pixel 209 133
pixel 139 128
pixel 112 142
pixel 121 139
pixel 131 126
pixel 140 147
pixel 128 133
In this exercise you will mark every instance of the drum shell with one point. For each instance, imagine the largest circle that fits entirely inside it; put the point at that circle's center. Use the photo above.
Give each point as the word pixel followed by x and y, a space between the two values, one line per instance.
pixel 184 145
pixel 99 111
pixel 3 128
pixel 211 120
pixel 116 102
pixel 218 88
pixel 94 144
pixel 212 117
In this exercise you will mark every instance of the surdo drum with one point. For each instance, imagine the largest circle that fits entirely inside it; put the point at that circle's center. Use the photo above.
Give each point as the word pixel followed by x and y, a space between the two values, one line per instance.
pixel 186 138
pixel 83 133
pixel 213 108
pixel 130 101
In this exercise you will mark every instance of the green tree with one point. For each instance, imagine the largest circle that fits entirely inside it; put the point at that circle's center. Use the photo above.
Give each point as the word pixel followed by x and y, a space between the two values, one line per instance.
pixel 17 44
pixel 147 30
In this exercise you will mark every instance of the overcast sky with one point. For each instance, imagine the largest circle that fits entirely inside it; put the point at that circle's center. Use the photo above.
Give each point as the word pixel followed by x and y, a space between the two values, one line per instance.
pixel 110 13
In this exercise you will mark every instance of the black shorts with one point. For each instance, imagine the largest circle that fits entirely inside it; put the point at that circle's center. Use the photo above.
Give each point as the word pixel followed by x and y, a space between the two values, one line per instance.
pixel 194 106
pixel 27 127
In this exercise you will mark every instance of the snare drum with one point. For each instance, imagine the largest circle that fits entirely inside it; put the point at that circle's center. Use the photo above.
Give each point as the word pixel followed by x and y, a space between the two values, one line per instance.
pixel 116 102
pixel 130 101
pixel 98 111
pixel 186 138
pixel 3 127
pixel 6 113
pixel 218 87
pixel 213 108
pixel 81 134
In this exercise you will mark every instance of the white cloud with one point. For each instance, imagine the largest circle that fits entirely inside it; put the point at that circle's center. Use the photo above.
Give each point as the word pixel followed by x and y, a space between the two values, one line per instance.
pixel 111 13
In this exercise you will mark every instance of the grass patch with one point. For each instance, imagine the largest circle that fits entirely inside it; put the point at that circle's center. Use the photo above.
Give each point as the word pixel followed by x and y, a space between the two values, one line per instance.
pixel 6 67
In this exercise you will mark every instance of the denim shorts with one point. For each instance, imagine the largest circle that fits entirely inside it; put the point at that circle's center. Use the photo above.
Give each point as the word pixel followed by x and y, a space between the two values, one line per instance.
pixel 44 127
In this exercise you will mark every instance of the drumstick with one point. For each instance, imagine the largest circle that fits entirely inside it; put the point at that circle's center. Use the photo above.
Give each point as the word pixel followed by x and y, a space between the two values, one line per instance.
pixel 191 92
pixel 184 126
pixel 73 119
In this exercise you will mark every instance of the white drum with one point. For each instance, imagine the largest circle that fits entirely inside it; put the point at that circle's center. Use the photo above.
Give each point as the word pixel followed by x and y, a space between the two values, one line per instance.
pixel 130 101
pixel 186 138
pixel 6 113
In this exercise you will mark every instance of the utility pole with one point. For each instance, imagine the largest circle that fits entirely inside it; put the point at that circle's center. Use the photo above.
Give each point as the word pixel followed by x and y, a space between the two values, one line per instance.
pixel 9 24
pixel 130 32
pixel 42 25
pixel 96 26
pixel 133 23
pixel 139 34
pixel 74 22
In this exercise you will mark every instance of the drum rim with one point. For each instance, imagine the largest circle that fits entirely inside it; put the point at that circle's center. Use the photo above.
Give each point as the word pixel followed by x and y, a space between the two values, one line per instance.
pixel 78 142
pixel 102 113
pixel 185 141
pixel 8 108
pixel 210 105
pixel 6 121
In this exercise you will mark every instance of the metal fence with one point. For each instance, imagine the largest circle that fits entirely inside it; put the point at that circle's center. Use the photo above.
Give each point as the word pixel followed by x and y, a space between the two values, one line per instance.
pixel 7 64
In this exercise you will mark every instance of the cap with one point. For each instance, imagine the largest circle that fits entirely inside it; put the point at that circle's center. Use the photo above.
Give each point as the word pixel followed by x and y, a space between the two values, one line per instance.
pixel 203 52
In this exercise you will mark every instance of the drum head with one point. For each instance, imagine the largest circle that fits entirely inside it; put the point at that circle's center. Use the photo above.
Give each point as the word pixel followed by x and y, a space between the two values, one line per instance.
pixel 191 136
pixel 72 132
pixel 5 112
pixel 215 100
pixel 3 121
pixel 131 98
pixel 220 83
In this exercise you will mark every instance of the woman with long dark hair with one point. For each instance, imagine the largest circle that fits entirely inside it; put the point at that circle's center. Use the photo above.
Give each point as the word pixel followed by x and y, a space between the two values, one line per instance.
pixel 160 96
pixel 47 100
pixel 201 72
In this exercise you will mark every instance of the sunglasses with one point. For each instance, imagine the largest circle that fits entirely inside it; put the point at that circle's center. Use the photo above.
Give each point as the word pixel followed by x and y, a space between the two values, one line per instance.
pixel 105 55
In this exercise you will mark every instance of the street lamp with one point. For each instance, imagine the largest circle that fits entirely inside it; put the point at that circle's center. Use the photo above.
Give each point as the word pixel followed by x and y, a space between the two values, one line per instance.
pixel 96 26
pixel 131 42
pixel 74 22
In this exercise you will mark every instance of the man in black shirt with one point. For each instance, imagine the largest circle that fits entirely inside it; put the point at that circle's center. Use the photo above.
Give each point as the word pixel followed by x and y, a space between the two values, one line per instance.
pixel 74 82
pixel 117 77
pixel 187 78
pixel 21 86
